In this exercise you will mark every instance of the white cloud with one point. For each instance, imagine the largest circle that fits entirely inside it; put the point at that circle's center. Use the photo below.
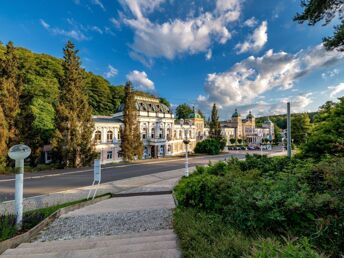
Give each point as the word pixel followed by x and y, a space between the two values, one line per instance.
pixel 253 76
pixel 335 90
pixel 75 34
pixel 140 80
pixel 209 55
pixel 251 22
pixel 99 3
pixel 112 72
pixel 256 41
pixel 115 22
pixel 330 74
pixel 44 24
pixel 176 37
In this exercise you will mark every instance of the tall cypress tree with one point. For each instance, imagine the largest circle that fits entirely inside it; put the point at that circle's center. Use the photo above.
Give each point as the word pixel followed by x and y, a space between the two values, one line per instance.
pixel 131 143
pixel 10 88
pixel 74 126
pixel 214 124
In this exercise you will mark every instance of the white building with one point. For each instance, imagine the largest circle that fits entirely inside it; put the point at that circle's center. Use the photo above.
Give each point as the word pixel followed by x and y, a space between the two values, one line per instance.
pixel 161 134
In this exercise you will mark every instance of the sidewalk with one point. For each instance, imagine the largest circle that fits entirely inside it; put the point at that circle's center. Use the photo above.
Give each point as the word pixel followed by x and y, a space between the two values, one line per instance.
pixel 163 181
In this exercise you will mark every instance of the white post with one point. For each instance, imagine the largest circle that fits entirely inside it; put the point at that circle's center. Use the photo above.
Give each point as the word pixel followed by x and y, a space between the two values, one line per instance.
pixel 288 130
pixel 19 193
pixel 19 153
pixel 186 161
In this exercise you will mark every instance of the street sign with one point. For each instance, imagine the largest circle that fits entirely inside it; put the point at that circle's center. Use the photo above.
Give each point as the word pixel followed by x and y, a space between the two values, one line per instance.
pixel 97 170
pixel 97 176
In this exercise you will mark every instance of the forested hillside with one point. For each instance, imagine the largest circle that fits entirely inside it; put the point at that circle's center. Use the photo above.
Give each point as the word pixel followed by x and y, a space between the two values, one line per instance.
pixel 39 83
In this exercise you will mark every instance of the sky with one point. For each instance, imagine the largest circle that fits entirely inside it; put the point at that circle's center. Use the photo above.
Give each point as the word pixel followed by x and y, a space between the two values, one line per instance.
pixel 244 54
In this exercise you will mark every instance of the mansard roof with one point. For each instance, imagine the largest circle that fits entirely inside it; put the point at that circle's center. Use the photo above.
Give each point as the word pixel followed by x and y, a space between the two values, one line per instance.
pixel 106 119
pixel 148 104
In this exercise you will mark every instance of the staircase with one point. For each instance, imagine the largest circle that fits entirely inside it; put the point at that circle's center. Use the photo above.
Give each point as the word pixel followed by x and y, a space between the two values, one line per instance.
pixel 152 244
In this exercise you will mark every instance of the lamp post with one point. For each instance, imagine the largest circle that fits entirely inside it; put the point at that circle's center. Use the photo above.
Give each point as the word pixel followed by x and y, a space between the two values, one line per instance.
pixel 19 153
pixel 186 141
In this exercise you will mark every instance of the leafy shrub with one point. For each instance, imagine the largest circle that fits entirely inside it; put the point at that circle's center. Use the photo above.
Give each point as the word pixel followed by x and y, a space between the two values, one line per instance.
pixel 210 146
pixel 273 196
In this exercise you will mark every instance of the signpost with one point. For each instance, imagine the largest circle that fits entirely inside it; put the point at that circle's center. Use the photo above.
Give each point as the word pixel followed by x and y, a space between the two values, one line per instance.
pixel 97 177
pixel 19 153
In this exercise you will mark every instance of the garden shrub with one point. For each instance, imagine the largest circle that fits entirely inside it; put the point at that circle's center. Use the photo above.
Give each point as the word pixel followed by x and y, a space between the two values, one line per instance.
pixel 210 146
pixel 274 196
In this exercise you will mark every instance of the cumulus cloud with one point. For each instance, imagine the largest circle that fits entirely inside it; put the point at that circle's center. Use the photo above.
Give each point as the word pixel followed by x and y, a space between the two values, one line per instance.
pixel 176 37
pixel 256 41
pixel 253 76
pixel 140 80
pixel 251 22
pixel 75 34
pixel 112 72
pixel 335 90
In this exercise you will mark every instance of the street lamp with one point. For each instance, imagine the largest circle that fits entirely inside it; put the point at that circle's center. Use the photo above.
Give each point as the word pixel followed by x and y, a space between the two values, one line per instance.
pixel 186 141
pixel 19 153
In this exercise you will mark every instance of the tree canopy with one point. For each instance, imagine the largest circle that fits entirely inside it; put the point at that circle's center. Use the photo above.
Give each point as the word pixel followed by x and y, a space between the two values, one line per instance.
pixel 315 11
pixel 183 111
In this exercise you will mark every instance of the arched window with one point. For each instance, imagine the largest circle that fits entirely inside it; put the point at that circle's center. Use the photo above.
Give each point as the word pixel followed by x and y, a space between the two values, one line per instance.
pixel 153 133
pixel 119 135
pixel 98 136
pixel 109 136
pixel 144 133
pixel 161 133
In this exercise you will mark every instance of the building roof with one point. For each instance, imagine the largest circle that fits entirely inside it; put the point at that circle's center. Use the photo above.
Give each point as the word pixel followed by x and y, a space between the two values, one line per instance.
pixel 148 104
pixel 106 119
pixel 250 116
pixel 236 113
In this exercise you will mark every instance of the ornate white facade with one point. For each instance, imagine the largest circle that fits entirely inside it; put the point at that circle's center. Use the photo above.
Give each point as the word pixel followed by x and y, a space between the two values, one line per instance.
pixel 161 134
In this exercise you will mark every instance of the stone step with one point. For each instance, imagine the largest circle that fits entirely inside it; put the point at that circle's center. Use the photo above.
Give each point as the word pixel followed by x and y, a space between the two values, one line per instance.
pixel 91 244
pixel 166 253
pixel 95 252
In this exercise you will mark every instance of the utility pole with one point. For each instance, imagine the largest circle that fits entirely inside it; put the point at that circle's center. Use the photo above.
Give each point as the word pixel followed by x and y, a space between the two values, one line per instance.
pixel 288 130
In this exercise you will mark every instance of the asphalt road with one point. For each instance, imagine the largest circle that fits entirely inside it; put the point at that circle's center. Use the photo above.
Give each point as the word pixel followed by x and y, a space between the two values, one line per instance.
pixel 40 183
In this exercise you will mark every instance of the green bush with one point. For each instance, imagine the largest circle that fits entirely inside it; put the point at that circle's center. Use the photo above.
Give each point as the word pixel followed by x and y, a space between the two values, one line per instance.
pixel 273 196
pixel 210 146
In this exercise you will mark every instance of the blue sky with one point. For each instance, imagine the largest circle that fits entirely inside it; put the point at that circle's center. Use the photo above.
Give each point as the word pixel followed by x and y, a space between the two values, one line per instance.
pixel 241 54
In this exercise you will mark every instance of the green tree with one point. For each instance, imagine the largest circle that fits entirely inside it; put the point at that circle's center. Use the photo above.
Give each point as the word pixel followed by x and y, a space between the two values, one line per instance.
pixel 300 128
pixel 327 136
pixel 183 111
pixel 99 94
pixel 74 125
pixel 131 143
pixel 215 127
pixel 165 102
pixel 278 136
pixel 315 11
pixel 10 90
pixel 3 139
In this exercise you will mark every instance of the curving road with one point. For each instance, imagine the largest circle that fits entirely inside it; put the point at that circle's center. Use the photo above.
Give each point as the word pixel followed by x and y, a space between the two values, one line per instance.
pixel 59 180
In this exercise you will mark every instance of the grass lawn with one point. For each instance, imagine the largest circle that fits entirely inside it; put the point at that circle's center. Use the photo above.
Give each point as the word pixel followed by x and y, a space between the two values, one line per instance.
pixel 30 219
pixel 206 235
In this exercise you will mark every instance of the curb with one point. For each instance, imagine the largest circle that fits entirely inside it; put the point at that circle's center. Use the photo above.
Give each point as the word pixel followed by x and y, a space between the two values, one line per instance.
pixel 29 235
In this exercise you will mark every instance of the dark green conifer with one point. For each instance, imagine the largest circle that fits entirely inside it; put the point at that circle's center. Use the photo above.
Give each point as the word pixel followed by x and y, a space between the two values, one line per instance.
pixel 74 126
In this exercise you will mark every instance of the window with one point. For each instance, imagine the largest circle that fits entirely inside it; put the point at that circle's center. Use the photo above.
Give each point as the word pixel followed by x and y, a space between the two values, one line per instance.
pixel 144 134
pixel 161 133
pixel 169 148
pixel 119 135
pixel 98 137
pixel 168 134
pixel 153 133
pixel 109 136
pixel 180 134
pixel 175 134
pixel 109 155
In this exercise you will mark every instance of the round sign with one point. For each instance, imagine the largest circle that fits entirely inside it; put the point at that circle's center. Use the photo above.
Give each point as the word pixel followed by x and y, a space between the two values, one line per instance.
pixel 19 151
